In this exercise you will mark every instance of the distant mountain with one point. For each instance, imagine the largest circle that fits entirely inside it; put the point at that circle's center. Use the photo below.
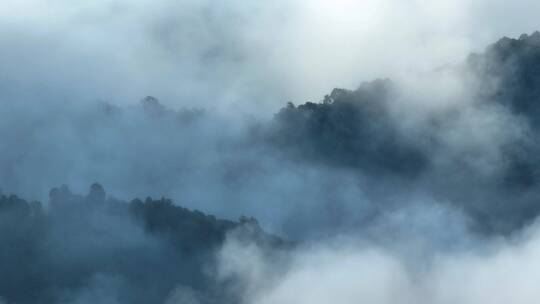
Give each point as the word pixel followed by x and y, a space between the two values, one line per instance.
pixel 358 130
pixel 82 247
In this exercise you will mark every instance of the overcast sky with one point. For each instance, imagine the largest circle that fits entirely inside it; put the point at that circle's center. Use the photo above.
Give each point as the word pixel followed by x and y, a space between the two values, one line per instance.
pixel 236 54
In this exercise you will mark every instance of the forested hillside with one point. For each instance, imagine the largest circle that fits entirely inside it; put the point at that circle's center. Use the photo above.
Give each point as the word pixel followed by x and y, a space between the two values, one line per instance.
pixel 141 251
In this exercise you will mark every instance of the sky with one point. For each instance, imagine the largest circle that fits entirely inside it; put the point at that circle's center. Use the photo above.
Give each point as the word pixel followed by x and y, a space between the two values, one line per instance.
pixel 239 55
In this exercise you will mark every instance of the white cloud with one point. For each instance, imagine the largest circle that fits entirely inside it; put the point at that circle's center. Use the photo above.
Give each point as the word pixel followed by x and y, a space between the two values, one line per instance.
pixel 238 53
pixel 497 272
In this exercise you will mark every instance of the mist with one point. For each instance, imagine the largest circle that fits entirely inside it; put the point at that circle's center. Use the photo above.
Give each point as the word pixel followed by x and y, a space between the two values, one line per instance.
pixel 349 272
pixel 236 56
pixel 241 152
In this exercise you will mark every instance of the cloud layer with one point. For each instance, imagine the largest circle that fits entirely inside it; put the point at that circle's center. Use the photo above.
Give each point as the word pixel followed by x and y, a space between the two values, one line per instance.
pixel 421 188
pixel 237 55
pixel 350 272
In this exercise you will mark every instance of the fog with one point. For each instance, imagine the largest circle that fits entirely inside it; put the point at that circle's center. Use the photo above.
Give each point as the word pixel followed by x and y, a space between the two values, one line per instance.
pixel 385 150
pixel 244 56
pixel 498 272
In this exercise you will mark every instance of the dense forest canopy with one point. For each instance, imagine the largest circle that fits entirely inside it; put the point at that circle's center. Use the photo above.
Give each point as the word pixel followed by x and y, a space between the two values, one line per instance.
pixel 141 250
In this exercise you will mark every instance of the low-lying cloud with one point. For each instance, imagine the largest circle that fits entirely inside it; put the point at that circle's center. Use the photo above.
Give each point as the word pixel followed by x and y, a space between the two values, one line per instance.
pixel 239 55
pixel 496 272
pixel 419 187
